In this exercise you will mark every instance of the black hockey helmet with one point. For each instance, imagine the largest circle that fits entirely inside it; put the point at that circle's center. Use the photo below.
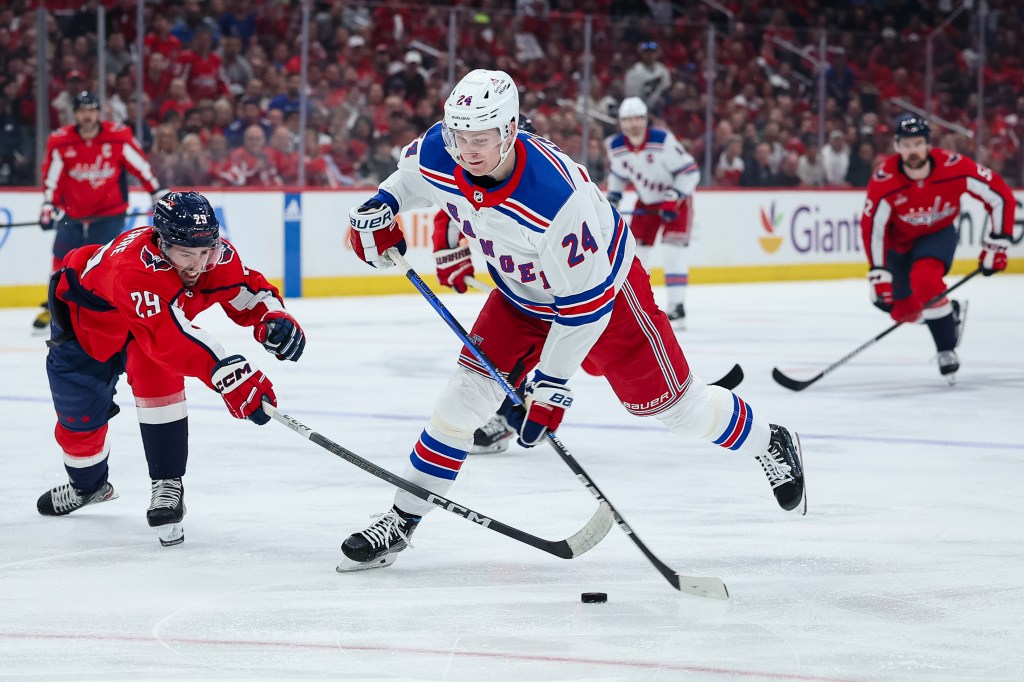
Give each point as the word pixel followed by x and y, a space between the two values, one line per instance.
pixel 186 219
pixel 913 126
pixel 525 125
pixel 86 100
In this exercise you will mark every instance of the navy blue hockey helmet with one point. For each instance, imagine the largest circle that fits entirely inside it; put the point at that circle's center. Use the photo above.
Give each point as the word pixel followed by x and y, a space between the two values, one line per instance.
pixel 913 126
pixel 525 125
pixel 186 219
pixel 86 100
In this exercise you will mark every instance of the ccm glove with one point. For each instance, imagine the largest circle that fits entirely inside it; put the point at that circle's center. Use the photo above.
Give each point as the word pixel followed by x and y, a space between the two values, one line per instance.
pixel 49 216
pixel 453 267
pixel 373 232
pixel 545 401
pixel 243 388
pixel 880 281
pixel 281 335
pixel 993 254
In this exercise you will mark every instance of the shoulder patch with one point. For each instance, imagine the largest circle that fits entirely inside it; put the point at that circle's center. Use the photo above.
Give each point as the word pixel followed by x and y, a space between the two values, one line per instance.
pixel 153 261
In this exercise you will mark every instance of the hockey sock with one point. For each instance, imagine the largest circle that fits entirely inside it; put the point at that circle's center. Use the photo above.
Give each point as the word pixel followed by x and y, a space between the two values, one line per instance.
pixel 164 426
pixel 943 332
pixel 85 456
pixel 720 416
pixel 434 463
pixel 677 274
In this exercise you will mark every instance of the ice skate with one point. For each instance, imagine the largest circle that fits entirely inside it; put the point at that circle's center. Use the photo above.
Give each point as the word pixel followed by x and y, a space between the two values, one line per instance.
pixel 42 321
pixel 65 499
pixel 677 316
pixel 949 363
pixel 492 437
pixel 378 546
pixel 783 465
pixel 166 510
pixel 960 315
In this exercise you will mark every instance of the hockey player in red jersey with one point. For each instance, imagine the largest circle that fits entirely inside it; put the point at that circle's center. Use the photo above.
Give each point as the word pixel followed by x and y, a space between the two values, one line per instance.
pixel 910 235
pixel 570 294
pixel 85 191
pixel 127 307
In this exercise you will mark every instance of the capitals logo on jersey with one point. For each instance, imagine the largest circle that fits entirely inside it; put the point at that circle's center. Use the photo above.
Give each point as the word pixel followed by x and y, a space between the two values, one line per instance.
pixel 95 173
pixel 152 261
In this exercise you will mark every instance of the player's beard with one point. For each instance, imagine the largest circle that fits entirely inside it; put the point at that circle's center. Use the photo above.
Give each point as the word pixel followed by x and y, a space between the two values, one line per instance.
pixel 189 278
pixel 915 162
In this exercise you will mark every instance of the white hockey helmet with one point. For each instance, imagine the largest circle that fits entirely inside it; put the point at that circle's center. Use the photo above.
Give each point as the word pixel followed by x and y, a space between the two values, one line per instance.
pixel 632 106
pixel 482 100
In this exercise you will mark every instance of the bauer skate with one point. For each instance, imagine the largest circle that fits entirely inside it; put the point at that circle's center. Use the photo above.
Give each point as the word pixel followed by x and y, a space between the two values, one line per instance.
pixel 65 499
pixel 166 510
pixel 492 437
pixel 677 316
pixel 783 465
pixel 378 546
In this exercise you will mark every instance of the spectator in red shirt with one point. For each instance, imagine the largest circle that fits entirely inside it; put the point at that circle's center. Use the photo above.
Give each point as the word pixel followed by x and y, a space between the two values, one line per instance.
pixel 161 41
pixel 200 67
pixel 177 101
pixel 249 165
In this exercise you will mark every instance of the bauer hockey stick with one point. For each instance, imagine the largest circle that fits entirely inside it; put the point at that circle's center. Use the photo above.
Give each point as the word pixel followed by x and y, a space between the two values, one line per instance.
pixel 583 540
pixel 796 385
pixel 701 587
pixel 732 378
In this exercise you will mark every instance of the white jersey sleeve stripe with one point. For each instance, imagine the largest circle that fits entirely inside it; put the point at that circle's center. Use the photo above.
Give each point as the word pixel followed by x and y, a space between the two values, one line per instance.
pixel 992 199
pixel 878 224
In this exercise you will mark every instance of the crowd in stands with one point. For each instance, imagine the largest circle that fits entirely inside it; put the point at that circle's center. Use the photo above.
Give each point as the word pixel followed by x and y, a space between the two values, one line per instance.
pixel 222 82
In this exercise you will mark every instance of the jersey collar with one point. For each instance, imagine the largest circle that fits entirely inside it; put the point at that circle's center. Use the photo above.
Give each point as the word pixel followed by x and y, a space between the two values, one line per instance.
pixel 629 145
pixel 482 197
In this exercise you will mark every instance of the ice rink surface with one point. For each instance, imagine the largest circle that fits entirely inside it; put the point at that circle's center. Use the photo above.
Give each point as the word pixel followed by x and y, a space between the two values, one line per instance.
pixel 909 565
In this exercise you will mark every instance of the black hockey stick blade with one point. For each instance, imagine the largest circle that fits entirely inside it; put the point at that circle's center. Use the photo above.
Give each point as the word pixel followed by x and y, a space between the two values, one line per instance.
pixel 732 379
pixel 791 383
pixel 581 541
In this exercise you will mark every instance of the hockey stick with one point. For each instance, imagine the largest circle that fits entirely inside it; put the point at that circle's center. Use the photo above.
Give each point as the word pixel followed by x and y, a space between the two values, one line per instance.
pixel 701 587
pixel 584 539
pixel 795 385
pixel 732 378
pixel 89 219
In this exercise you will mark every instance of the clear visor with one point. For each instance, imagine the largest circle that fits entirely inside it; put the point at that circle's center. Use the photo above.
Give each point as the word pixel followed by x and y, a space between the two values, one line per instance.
pixel 193 260
pixel 470 141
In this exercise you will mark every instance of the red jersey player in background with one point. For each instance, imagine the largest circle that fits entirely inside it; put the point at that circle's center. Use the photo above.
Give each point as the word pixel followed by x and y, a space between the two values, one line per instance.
pixel 85 190
pixel 910 234
pixel 128 306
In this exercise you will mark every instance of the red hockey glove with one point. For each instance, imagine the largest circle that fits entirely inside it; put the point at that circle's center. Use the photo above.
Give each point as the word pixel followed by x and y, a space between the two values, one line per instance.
pixel 993 254
pixel 907 310
pixel 49 216
pixel 373 232
pixel 880 281
pixel 281 335
pixel 546 399
pixel 669 209
pixel 453 267
pixel 243 388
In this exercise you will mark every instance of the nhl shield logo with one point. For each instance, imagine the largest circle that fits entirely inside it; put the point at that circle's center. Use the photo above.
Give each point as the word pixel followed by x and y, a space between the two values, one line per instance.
pixel 478 197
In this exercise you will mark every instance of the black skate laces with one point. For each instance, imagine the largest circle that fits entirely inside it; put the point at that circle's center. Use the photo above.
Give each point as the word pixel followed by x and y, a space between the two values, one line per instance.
pixel 389 526
pixel 166 493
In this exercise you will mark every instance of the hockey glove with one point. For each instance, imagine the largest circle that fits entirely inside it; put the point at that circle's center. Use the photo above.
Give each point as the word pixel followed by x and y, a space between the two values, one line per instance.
pixel 281 335
pixel 880 281
pixel 243 388
pixel 993 254
pixel 373 232
pixel 158 194
pixel 614 198
pixel 453 267
pixel 669 209
pixel 545 399
pixel 49 216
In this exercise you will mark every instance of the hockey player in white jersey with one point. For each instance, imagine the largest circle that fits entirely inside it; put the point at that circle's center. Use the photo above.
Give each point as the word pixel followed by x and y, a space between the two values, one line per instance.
pixel 570 293
pixel 664 176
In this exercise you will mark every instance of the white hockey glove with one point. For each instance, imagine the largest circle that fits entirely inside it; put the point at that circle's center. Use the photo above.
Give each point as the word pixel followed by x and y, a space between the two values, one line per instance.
pixel 993 254
pixel 880 281
pixel 49 216
pixel 545 399
pixel 373 232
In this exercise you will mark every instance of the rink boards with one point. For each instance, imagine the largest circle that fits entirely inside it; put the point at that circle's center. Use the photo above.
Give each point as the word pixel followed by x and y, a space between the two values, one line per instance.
pixel 299 239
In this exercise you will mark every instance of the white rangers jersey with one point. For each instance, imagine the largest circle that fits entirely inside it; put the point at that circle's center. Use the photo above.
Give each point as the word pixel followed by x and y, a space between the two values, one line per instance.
pixel 659 164
pixel 555 247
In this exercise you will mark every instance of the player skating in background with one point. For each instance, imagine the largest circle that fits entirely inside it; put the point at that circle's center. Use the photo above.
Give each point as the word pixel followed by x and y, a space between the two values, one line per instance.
pixel 570 292
pixel 128 306
pixel 664 176
pixel 454 265
pixel 910 233
pixel 85 190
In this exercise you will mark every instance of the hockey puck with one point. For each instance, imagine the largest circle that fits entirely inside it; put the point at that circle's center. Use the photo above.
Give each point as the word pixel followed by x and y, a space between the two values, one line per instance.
pixel 594 597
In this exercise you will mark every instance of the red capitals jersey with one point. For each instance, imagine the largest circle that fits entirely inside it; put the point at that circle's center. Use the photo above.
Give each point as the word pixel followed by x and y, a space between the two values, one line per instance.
pixel 86 177
pixel 126 289
pixel 899 210
pixel 203 75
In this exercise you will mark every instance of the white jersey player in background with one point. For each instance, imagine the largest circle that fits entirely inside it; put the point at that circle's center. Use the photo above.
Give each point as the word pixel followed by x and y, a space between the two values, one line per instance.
pixel 570 293
pixel 664 176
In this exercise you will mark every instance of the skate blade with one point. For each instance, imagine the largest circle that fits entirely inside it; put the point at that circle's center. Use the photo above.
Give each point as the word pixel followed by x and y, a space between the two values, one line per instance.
pixel 951 378
pixel 800 456
pixel 346 565
pixel 171 534
pixel 493 448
